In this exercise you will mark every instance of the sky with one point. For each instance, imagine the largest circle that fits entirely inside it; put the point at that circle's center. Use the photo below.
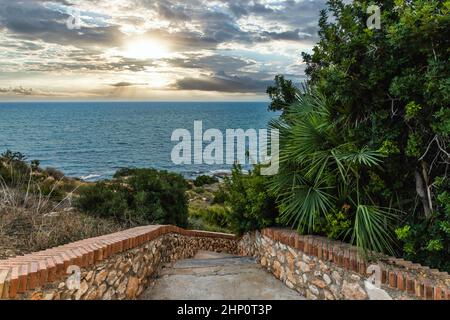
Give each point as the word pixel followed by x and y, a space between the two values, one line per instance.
pixel 175 50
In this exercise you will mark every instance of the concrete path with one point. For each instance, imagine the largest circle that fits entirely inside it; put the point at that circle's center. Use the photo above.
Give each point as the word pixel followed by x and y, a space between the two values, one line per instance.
pixel 212 276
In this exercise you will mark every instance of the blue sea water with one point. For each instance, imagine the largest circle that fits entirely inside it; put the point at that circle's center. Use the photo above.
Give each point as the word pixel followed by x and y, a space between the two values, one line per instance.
pixel 94 139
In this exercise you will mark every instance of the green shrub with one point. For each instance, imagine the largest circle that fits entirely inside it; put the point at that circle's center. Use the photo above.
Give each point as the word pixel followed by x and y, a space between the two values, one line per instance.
pixel 214 215
pixel 124 172
pixel 147 196
pixel 205 180
pixel 54 173
pixel 339 225
pixel 50 189
pixel 251 205
pixel 220 196
pixel 13 168
pixel 428 242
pixel 15 172
pixel 199 190
pixel 388 89
pixel 104 200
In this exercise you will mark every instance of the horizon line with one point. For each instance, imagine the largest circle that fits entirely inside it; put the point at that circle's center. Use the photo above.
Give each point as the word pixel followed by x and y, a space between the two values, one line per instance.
pixel 136 101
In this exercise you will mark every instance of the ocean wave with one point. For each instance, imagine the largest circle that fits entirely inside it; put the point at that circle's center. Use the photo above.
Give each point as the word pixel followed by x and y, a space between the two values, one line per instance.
pixel 91 177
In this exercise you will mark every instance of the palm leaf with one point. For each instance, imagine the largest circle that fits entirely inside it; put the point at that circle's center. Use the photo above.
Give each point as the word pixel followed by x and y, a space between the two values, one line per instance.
pixel 372 229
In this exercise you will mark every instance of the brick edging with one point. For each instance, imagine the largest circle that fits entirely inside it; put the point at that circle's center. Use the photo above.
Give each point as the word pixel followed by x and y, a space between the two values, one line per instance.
pixel 399 274
pixel 27 272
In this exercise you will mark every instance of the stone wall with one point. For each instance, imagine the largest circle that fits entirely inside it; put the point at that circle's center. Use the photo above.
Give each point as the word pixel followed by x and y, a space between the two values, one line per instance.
pixel 319 268
pixel 116 266
pixel 123 264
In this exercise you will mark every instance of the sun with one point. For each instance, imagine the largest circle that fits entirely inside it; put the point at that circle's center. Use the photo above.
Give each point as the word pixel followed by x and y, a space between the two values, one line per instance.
pixel 146 49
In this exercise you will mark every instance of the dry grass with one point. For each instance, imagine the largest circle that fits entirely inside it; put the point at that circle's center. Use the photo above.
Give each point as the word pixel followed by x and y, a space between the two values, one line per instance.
pixel 31 222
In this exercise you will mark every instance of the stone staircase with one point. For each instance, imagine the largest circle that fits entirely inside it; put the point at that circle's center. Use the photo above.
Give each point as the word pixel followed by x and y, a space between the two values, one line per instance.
pixel 213 276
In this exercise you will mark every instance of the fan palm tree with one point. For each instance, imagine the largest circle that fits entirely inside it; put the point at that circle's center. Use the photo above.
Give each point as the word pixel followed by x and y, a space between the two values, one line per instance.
pixel 321 168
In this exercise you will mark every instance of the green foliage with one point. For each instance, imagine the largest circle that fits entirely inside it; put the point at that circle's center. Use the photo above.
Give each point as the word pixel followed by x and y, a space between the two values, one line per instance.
pixel 124 173
pixel 338 224
pixel 200 181
pixel 213 217
pixel 412 110
pixel 282 94
pixel 394 81
pixel 389 148
pixel 16 173
pixel 54 173
pixel 322 170
pixel 441 124
pixel 220 196
pixel 414 146
pixel 199 190
pixel 13 168
pixel 428 240
pixel 10 157
pixel 251 205
pixel 35 165
pixel 145 196
pixel 391 89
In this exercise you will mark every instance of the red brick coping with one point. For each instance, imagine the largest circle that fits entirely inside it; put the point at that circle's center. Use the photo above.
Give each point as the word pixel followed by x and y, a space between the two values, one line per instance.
pixel 417 280
pixel 30 271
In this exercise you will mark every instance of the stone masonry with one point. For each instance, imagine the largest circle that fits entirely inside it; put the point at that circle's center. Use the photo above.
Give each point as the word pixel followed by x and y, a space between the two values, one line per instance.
pixel 319 268
pixel 117 266
pixel 122 265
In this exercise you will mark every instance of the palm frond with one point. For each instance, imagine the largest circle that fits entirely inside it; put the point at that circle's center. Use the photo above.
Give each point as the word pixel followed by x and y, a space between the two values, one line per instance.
pixel 302 206
pixel 373 228
pixel 319 166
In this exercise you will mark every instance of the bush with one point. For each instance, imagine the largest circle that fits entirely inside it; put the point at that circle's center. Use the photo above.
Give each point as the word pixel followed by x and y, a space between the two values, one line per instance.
pixel 205 180
pixel 33 216
pixel 124 172
pixel 16 173
pixel 147 196
pixel 51 189
pixel 321 171
pixel 214 215
pixel 429 240
pixel 251 205
pixel 385 95
pixel 220 196
pixel 13 168
pixel 199 190
pixel 54 173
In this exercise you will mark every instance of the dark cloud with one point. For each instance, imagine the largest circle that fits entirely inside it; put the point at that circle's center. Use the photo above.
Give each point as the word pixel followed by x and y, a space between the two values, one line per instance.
pixel 126 84
pixel 295 35
pixel 88 64
pixel 223 25
pixel 17 91
pixel 212 63
pixel 31 20
pixel 171 13
pixel 22 45
pixel 222 82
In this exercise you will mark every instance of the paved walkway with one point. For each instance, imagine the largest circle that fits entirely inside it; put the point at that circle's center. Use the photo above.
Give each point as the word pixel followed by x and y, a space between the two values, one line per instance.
pixel 212 276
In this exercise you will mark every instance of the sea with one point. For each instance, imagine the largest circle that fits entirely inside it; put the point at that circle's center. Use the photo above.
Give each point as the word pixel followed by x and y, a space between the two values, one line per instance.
pixel 92 140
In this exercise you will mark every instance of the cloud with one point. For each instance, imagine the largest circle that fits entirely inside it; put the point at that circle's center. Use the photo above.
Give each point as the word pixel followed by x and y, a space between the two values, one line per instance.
pixel 221 45
pixel 33 20
pixel 222 82
pixel 294 35
pixel 215 62
pixel 126 84
pixel 17 91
